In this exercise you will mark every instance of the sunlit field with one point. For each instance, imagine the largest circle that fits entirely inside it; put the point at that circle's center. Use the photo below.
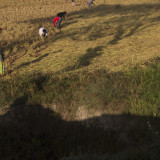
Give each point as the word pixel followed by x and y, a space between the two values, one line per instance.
pixel 112 35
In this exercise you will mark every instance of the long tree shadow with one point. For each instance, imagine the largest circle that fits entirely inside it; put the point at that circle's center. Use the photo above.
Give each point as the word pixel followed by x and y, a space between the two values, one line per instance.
pixel 120 34
pixel 68 23
pixel 103 10
pixel 34 61
pixel 85 59
pixel 136 12
pixel 34 132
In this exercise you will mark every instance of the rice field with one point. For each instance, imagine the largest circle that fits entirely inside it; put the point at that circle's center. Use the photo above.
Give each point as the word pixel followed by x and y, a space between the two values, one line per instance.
pixel 113 35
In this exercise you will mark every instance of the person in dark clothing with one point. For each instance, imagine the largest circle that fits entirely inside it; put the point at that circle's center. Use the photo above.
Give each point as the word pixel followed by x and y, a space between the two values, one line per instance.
pixel 62 14
pixel 1 52
pixel 1 62
pixel 1 56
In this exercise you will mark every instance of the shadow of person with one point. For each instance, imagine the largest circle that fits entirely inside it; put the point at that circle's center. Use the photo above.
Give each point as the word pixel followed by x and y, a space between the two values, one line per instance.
pixel 26 131
pixel 35 132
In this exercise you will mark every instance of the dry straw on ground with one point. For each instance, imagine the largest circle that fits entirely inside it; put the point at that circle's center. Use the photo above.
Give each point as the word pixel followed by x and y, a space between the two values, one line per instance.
pixel 112 35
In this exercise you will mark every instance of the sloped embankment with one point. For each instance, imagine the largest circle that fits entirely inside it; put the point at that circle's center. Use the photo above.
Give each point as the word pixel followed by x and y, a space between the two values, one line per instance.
pixel 89 113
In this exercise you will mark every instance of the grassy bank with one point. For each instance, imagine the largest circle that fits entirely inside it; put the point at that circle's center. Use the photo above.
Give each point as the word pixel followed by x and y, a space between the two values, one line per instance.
pixel 135 91
pixel 128 128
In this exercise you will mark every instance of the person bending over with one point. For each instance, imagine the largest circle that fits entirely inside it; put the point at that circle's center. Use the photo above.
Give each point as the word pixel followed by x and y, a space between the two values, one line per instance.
pixel 62 14
pixel 57 22
pixel 43 32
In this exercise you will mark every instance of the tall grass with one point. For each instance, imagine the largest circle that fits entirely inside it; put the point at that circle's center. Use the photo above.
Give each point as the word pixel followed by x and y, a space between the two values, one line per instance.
pixel 145 95
pixel 135 91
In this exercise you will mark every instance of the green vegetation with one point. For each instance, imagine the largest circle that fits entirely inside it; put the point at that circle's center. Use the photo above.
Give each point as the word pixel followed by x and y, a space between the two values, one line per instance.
pixel 129 101
pixel 133 95
pixel 135 91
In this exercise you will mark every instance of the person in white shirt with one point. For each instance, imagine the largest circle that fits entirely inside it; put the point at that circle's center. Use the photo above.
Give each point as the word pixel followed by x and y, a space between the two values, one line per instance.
pixel 43 32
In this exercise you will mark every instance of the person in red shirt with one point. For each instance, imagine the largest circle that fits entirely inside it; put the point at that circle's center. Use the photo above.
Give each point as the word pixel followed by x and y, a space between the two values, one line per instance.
pixel 1 29
pixel 57 22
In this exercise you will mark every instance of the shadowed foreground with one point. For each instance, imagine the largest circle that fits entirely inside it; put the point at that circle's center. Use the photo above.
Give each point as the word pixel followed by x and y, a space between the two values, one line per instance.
pixel 32 132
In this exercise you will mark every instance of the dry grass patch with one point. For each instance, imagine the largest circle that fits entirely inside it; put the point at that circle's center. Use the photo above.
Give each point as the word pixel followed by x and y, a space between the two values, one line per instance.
pixel 127 31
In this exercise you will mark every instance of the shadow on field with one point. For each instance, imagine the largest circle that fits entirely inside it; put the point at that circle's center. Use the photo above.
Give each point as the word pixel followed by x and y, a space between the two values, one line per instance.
pixel 103 10
pixel 34 132
pixel 118 35
pixel 85 59
pixel 130 19
pixel 34 61
pixel 131 22
pixel 68 23
pixel 121 31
